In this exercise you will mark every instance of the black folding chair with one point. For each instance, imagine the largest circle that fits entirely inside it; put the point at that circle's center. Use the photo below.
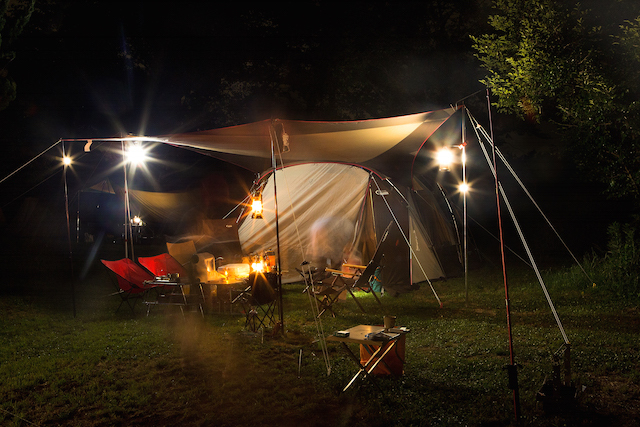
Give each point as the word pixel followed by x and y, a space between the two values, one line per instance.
pixel 259 301
pixel 351 278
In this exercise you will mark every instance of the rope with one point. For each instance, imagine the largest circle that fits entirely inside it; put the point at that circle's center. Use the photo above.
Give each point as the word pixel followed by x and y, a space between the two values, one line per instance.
pixel 18 417
pixel 524 188
pixel 523 240
pixel 41 182
pixel 23 166
pixel 315 309
pixel 498 239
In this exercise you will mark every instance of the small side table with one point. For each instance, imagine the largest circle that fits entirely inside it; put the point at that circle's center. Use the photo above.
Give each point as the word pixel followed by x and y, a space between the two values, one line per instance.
pixel 378 348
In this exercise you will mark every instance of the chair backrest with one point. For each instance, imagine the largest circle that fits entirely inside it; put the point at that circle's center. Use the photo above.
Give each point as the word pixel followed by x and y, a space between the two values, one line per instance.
pixel 375 260
pixel 263 287
pixel 163 264
pixel 182 251
pixel 130 276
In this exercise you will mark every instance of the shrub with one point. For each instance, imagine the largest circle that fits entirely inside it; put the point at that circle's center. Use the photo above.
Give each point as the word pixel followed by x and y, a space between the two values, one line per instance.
pixel 617 271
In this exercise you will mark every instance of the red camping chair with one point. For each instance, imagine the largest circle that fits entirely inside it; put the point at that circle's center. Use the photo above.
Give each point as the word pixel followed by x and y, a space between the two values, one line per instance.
pixel 165 265
pixel 130 279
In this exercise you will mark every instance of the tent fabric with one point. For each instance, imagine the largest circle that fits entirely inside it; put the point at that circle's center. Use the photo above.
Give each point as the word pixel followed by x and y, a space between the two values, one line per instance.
pixel 387 145
pixel 319 205
pixel 339 185
pixel 331 213
pixel 174 207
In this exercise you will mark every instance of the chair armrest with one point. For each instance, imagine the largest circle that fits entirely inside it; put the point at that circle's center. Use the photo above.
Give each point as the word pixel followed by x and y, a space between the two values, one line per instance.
pixel 359 267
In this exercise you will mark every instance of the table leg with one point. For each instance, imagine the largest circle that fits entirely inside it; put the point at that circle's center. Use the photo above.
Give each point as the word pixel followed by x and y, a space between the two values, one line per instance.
pixel 371 364
pixel 372 352
pixel 391 345
pixel 355 359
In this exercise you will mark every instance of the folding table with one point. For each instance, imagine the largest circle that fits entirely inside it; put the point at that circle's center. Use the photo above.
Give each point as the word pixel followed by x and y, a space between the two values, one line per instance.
pixel 375 341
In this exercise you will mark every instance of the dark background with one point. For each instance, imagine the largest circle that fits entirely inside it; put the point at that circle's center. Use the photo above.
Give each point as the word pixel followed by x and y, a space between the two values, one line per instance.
pixel 98 69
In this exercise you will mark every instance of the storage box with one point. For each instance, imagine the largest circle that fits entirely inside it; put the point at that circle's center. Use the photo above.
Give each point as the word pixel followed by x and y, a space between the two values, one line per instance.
pixel 394 360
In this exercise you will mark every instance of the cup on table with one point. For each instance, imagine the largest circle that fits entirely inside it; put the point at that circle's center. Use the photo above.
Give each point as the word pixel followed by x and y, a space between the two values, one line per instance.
pixel 389 322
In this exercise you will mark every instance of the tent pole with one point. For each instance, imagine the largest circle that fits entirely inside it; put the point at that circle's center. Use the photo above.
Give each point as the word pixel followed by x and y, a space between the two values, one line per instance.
pixel 78 219
pixel 464 208
pixel 275 203
pixel 66 206
pixel 128 233
pixel 406 239
pixel 512 368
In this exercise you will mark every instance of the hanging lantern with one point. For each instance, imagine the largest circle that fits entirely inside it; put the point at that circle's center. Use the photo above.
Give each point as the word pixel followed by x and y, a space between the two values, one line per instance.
pixel 444 156
pixel 256 207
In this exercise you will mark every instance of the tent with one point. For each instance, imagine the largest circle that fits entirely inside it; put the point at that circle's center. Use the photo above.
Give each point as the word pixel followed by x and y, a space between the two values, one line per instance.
pixel 339 185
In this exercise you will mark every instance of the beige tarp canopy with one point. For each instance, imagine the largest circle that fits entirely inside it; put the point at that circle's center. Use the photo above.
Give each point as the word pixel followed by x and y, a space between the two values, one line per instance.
pixel 339 185
pixel 388 146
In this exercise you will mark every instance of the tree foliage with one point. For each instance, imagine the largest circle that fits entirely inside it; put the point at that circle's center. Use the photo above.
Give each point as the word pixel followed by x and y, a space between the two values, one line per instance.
pixel 13 18
pixel 550 60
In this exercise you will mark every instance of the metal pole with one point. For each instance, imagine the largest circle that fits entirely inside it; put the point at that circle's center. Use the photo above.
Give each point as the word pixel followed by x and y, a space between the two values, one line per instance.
pixel 275 203
pixel 512 368
pixel 464 209
pixel 78 219
pixel 66 206
pixel 128 232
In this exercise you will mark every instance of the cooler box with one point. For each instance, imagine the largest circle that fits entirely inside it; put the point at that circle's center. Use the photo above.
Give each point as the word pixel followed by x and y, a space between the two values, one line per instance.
pixel 394 359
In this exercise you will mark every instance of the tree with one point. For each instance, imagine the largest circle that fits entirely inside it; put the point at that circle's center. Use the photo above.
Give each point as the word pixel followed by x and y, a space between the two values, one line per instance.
pixel 13 18
pixel 549 60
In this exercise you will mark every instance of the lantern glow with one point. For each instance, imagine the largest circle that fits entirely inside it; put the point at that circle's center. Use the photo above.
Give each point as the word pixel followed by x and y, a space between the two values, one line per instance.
pixel 256 208
pixel 444 156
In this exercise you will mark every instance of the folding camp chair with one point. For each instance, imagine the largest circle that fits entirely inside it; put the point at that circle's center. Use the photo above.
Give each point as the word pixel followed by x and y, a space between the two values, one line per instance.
pixel 327 292
pixel 164 265
pixel 365 275
pixel 356 277
pixel 181 287
pixel 259 300
pixel 130 279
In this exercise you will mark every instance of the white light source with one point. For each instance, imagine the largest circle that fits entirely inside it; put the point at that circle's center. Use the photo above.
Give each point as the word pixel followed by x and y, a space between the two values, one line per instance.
pixel 136 154
pixel 66 160
pixel 444 156
pixel 463 188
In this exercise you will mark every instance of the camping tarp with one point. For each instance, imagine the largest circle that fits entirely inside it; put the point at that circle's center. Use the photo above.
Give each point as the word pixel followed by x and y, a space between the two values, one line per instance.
pixel 389 145
pixel 342 184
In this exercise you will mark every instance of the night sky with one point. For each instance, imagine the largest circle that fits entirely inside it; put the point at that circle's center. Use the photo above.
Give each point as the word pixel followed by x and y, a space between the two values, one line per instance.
pixel 98 68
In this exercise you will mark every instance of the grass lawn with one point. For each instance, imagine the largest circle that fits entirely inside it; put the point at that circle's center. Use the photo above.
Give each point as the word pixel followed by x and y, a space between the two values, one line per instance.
pixel 103 368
